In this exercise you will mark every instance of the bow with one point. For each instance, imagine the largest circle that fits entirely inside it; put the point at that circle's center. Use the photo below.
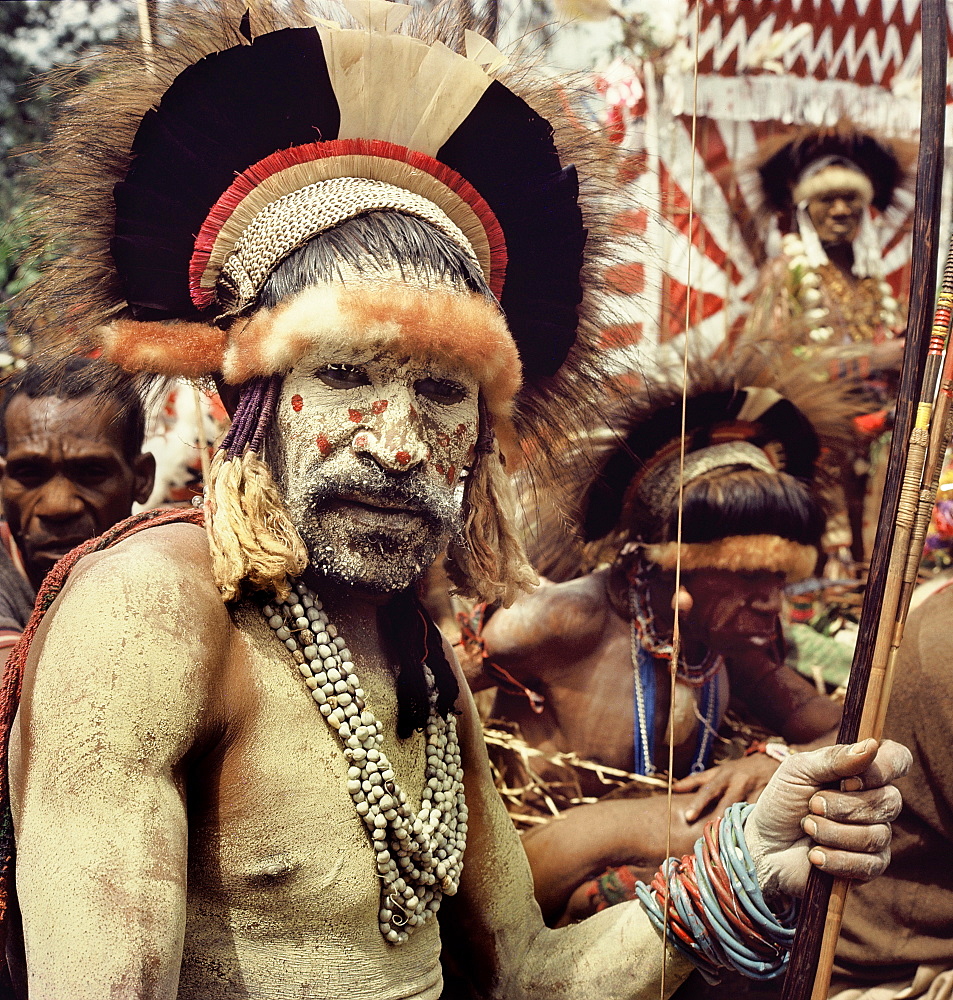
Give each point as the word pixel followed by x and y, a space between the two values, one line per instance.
pixel 899 537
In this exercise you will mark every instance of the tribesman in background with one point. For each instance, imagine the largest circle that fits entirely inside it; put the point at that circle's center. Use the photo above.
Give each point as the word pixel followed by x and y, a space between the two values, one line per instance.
pixel 825 297
pixel 596 649
pixel 260 774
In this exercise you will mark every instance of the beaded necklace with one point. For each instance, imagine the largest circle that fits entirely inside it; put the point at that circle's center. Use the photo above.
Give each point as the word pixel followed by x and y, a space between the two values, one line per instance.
pixel 880 308
pixel 419 856
pixel 647 650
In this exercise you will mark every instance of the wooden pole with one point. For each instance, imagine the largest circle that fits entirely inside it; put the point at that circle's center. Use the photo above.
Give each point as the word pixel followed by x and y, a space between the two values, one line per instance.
pixel 819 926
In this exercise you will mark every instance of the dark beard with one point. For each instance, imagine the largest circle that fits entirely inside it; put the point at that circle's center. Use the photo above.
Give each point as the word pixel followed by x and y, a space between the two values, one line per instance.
pixel 366 546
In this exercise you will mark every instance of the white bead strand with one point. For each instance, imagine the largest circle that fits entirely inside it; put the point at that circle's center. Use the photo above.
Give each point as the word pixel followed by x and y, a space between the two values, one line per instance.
pixel 419 857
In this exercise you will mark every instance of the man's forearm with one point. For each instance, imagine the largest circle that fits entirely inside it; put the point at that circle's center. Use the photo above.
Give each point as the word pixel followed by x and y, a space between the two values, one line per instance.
pixel 613 954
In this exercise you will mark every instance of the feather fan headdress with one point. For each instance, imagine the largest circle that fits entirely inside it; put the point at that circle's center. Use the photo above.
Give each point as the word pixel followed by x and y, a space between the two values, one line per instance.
pixel 744 420
pixel 181 177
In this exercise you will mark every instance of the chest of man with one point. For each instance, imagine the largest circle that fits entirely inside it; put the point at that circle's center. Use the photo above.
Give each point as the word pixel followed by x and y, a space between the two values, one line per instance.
pixel 284 894
pixel 590 709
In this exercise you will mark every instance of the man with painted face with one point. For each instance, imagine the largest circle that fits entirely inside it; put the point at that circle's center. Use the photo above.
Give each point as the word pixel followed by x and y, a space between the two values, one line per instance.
pixel 596 649
pixel 71 440
pixel 259 775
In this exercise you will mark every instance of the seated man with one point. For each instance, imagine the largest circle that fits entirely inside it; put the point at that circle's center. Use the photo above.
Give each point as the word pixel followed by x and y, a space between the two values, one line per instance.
pixel 71 466
pixel 598 648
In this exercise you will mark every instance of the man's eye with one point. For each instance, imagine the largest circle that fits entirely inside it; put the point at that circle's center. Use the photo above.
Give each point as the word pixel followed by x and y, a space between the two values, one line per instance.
pixel 28 475
pixel 90 473
pixel 342 376
pixel 441 390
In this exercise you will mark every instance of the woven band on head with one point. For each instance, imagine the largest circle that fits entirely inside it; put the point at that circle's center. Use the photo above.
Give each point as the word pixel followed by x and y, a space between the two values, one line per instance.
pixel 658 487
pixel 290 221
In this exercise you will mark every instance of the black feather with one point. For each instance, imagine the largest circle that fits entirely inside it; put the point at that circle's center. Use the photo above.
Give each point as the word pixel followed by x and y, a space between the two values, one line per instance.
pixel 244 25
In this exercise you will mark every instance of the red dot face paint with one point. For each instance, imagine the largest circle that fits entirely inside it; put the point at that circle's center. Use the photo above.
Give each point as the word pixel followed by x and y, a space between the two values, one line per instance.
pixel 360 442
pixel 324 445
pixel 296 403
pixel 378 406
pixel 355 415
pixel 402 457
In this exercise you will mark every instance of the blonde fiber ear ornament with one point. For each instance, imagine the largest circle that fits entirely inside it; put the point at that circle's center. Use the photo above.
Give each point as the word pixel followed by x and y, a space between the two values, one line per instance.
pixel 252 539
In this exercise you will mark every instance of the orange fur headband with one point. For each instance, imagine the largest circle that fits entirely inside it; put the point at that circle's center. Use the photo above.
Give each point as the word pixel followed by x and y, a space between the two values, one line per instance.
pixel 739 554
pixel 462 330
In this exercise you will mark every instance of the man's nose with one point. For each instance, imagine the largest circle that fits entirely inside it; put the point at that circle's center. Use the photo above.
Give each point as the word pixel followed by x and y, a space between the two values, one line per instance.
pixel 841 208
pixel 59 500
pixel 393 435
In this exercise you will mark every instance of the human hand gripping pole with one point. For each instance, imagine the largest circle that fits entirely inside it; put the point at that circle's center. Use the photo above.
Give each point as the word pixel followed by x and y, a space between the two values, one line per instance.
pixel 800 820
pixel 728 906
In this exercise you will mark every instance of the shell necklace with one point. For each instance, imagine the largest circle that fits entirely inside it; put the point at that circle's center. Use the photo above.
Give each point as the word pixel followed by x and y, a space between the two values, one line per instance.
pixel 807 284
pixel 419 856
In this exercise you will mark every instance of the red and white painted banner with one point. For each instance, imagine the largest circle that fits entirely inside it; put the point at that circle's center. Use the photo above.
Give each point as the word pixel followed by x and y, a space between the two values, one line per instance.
pixel 763 66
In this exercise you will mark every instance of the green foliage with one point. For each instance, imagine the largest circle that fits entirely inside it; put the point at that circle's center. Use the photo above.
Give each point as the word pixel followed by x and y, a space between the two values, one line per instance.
pixel 36 36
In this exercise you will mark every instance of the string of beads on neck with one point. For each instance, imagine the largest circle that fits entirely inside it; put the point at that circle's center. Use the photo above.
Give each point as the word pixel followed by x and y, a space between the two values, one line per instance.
pixel 643 621
pixel 419 856
pixel 646 648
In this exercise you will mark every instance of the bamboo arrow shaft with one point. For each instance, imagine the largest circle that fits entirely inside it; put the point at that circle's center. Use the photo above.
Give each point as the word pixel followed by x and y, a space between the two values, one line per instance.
pixel 806 977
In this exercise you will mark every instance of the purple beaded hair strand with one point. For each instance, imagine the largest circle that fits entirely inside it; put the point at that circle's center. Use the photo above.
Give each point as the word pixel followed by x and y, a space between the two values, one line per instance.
pixel 256 406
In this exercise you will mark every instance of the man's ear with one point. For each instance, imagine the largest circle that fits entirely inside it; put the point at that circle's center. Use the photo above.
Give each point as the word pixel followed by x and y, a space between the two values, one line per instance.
pixel 683 602
pixel 144 475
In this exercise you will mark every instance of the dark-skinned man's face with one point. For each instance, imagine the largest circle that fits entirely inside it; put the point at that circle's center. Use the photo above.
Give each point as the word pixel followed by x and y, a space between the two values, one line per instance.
pixel 836 215
pixel 65 477
pixel 732 611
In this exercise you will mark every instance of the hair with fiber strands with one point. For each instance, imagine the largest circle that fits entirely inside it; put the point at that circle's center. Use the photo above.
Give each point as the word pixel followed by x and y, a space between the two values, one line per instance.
pixel 252 540
pixel 488 561
pixel 374 241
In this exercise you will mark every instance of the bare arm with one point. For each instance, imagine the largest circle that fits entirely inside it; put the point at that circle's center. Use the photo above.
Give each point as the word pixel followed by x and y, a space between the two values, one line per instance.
pixel 538 632
pixel 582 843
pixel 115 696
pixel 781 699
pixel 495 930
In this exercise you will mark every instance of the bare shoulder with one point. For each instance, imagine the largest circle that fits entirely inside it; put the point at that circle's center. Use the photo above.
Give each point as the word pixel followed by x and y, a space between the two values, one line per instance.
pixel 170 554
pixel 165 572
pixel 573 612
pixel 142 620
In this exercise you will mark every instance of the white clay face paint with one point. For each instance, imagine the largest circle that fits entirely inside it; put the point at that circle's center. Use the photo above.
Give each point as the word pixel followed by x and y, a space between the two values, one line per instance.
pixel 371 450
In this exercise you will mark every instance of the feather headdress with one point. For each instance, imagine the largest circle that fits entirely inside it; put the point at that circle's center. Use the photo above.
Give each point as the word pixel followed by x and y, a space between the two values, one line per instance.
pixel 620 483
pixel 180 177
